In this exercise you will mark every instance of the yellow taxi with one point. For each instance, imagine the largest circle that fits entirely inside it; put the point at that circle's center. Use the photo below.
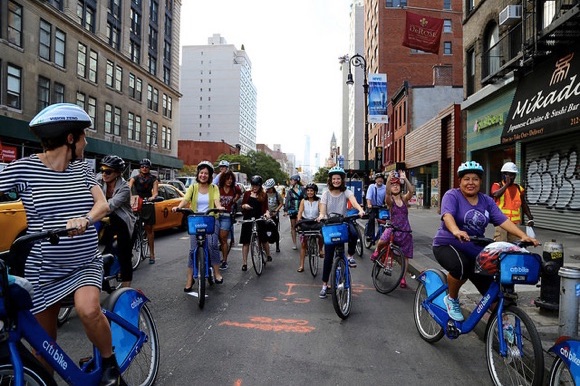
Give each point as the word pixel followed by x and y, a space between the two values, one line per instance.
pixel 12 220
pixel 164 217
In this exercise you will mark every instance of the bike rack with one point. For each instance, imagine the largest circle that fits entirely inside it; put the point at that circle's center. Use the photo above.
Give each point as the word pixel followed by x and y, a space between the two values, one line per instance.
pixel 569 294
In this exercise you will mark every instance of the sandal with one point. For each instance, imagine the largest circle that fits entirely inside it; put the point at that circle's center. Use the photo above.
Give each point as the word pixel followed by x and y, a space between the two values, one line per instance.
pixel 403 283
pixel 301 269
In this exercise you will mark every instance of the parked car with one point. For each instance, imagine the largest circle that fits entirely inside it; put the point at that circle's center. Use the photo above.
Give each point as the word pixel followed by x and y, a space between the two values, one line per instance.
pixel 187 180
pixel 12 219
pixel 164 217
pixel 321 188
pixel 177 184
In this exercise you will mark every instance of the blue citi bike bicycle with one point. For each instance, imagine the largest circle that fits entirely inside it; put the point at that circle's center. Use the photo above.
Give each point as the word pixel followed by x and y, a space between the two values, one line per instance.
pixel 565 369
pixel 133 329
pixel 512 345
pixel 335 232
pixel 383 215
pixel 200 225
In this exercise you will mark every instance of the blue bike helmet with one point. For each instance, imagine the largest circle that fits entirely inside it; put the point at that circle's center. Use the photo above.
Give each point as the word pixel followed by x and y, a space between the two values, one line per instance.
pixel 336 170
pixel 469 167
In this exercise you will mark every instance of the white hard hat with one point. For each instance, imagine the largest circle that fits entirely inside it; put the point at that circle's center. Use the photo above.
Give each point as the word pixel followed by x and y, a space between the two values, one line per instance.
pixel 509 167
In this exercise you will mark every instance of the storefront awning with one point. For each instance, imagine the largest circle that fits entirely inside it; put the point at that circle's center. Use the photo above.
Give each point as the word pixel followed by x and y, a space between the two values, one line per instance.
pixel 547 101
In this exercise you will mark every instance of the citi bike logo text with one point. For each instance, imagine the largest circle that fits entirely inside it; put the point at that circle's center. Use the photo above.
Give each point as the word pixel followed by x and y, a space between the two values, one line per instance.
pixel 136 302
pixel 519 270
pixel 483 303
pixel 55 354
pixel 565 351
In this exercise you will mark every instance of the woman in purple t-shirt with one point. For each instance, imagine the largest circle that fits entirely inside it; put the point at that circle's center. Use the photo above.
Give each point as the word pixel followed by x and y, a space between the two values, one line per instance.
pixel 467 212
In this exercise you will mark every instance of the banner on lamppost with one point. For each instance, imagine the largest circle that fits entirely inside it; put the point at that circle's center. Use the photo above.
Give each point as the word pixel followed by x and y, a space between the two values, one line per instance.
pixel 423 33
pixel 378 98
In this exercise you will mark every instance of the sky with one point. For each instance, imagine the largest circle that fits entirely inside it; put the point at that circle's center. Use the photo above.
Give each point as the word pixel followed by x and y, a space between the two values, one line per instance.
pixel 294 48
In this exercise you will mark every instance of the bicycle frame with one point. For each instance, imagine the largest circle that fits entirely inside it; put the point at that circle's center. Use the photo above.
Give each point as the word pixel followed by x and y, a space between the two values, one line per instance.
pixel 201 243
pixel 127 340
pixel 436 308
pixel 568 350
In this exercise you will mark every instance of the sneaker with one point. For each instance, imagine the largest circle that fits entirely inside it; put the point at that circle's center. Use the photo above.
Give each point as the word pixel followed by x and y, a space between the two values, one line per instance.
pixel 375 255
pixel 453 308
pixel 278 249
pixel 223 266
pixel 351 262
pixel 322 294
pixel 269 258
pixel 294 247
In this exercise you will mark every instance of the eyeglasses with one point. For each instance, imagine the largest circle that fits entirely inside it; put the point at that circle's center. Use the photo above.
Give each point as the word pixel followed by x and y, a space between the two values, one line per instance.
pixel 107 172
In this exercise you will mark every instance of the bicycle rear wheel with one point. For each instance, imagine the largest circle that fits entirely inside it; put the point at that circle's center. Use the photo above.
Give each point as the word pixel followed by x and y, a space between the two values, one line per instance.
pixel 140 246
pixel 560 374
pixel 368 241
pixel 313 253
pixel 63 315
pixel 388 269
pixel 200 263
pixel 257 258
pixel 427 327
pixel 524 362
pixel 34 373
pixel 341 291
pixel 359 241
pixel 144 367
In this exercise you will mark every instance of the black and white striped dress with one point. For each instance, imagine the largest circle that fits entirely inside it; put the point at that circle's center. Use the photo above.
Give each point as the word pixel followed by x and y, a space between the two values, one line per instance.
pixel 50 199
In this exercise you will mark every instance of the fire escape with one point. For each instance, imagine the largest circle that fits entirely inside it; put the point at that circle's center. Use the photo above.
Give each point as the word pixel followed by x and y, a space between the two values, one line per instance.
pixel 530 30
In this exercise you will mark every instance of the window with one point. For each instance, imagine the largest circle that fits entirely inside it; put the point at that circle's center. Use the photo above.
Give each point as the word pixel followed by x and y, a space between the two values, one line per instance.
pixel 138 128
pixel 118 78
pixel 154 11
pixel 82 61
pixel 117 122
pixel 44 40
pixel 152 38
pixel 447 49
pixel 113 35
pixel 43 92
pixel 93 66
pixel 167 106
pixel 108 118
pixel 110 76
pixel 152 65
pixel 396 3
pixel 167 75
pixel 446 4
pixel 86 15
pixel 155 133
pixel 131 85
pixel 491 53
pixel 447 26
pixel 115 8
pixel 167 138
pixel 149 97
pixel 92 110
pixel 135 23
pixel 131 126
pixel 155 100
pixel 135 52
pixel 138 89
pixel 148 130
pixel 14 87
pixel 59 48
pixel 58 96
pixel 168 26
pixel 164 105
pixel 167 51
pixel 15 23
pixel 469 5
pixel 81 100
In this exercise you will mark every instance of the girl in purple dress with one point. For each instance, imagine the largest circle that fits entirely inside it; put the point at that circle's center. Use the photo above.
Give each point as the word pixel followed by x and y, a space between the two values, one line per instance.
pixel 398 205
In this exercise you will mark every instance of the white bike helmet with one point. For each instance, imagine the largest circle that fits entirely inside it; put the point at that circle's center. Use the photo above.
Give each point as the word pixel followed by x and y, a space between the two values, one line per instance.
pixel 469 167
pixel 205 164
pixel 224 163
pixel 58 119
pixel 509 167
pixel 269 184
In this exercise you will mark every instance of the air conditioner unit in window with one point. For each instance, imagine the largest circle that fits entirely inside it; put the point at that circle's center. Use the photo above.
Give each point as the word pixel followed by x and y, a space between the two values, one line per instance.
pixel 510 15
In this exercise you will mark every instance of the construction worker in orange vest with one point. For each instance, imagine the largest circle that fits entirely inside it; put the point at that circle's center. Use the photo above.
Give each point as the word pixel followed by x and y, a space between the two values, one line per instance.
pixel 510 198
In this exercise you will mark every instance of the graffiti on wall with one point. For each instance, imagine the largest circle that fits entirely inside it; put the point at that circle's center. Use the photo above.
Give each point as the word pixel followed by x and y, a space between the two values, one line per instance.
pixel 554 181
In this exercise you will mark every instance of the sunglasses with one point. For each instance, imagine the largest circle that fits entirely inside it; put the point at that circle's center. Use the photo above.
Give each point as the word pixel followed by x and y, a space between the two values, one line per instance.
pixel 145 166
pixel 107 172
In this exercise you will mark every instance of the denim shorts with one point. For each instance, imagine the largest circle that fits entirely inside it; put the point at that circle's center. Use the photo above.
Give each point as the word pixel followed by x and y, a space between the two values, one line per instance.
pixel 225 222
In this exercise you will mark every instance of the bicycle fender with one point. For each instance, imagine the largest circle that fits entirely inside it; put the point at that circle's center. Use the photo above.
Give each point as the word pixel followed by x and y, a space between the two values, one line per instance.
pixel 433 279
pixel 569 351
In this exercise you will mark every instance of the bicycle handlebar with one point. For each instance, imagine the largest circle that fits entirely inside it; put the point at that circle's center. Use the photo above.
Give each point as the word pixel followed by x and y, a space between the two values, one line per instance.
pixel 207 212
pixel 262 218
pixel 486 240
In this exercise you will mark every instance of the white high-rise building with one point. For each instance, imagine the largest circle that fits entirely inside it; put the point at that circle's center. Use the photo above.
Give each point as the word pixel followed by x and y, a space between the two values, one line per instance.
pixel 219 97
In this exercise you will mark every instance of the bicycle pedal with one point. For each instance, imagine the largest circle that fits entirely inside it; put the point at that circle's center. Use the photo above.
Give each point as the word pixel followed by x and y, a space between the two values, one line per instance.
pixel 85 360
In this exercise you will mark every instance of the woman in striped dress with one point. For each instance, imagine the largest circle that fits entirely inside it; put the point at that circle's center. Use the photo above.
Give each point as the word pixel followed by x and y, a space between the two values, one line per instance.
pixel 59 190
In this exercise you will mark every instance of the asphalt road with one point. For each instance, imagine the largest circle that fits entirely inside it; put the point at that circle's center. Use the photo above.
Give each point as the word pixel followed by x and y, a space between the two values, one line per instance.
pixel 274 329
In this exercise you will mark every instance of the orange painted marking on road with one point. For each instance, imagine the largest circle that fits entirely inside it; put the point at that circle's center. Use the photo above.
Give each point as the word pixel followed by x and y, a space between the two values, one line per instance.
pixel 238 382
pixel 263 323
pixel 270 299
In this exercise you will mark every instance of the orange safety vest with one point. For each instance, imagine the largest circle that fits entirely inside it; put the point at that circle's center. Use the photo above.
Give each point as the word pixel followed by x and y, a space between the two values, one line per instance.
pixel 510 202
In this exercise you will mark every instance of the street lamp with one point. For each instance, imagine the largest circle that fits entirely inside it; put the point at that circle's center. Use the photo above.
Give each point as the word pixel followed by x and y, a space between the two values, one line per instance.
pixel 359 61
pixel 152 136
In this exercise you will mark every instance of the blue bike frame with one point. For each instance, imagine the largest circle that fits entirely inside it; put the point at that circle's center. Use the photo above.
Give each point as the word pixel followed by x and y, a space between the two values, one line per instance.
pixel 567 350
pixel 194 256
pixel 127 340
pixel 436 291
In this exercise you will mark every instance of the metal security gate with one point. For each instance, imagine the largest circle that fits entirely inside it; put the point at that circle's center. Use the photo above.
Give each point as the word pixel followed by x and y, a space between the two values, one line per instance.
pixel 552 182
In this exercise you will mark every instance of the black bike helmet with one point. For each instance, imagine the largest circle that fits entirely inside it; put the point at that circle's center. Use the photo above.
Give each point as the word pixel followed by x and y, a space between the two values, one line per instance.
pixel 205 164
pixel 145 162
pixel 313 187
pixel 58 119
pixel 379 175
pixel 114 162
pixel 256 180
pixel 295 177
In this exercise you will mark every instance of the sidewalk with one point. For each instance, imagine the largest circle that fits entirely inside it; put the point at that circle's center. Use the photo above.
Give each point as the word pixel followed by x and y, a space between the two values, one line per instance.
pixel 425 222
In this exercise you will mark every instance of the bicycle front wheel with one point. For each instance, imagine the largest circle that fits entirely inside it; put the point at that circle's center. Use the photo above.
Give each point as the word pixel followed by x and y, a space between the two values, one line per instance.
pixel 144 367
pixel 427 327
pixel 257 259
pixel 140 246
pixel 359 241
pixel 560 374
pixel 34 373
pixel 313 253
pixel 523 363
pixel 341 291
pixel 368 240
pixel 200 264
pixel 389 269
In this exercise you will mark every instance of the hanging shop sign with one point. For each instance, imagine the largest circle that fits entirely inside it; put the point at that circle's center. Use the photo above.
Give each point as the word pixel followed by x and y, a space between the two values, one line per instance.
pixel 547 101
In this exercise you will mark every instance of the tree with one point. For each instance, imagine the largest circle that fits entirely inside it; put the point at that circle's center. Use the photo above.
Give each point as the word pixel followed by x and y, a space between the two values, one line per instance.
pixel 257 163
pixel 321 175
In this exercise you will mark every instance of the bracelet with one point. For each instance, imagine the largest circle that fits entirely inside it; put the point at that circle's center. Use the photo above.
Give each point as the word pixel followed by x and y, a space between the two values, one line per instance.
pixel 89 219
